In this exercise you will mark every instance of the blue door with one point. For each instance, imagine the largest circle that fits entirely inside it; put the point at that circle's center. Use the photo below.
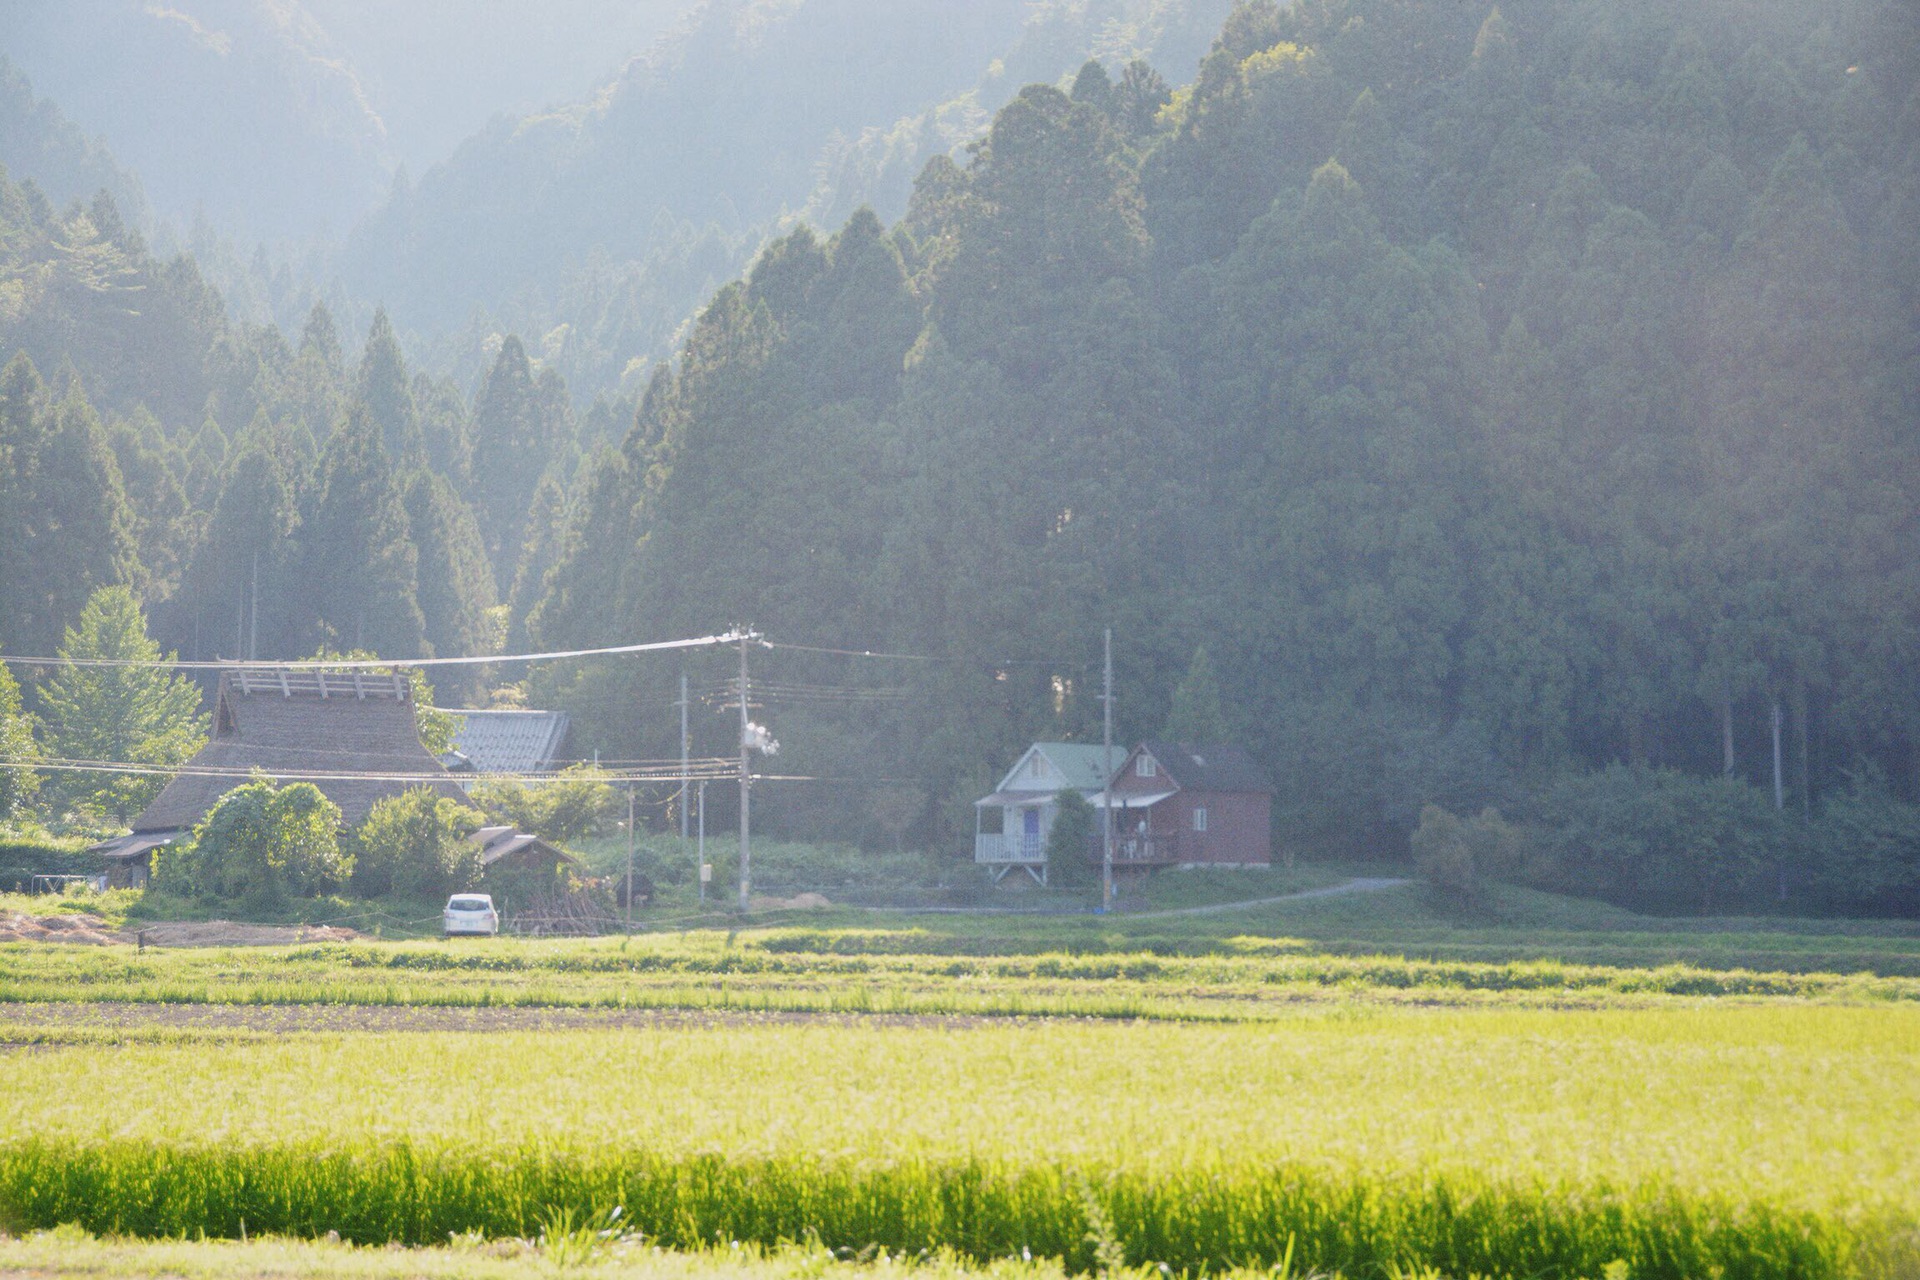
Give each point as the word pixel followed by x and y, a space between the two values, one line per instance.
pixel 1030 833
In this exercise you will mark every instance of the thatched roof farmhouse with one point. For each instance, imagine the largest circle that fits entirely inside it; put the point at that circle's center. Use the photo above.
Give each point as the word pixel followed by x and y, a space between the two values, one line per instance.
pixel 351 734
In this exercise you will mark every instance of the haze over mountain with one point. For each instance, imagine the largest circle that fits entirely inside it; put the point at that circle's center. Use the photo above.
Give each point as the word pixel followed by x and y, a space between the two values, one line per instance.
pixel 598 228
pixel 283 119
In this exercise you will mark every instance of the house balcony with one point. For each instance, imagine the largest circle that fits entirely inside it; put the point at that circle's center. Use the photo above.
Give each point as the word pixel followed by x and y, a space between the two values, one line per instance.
pixel 1145 850
pixel 1015 850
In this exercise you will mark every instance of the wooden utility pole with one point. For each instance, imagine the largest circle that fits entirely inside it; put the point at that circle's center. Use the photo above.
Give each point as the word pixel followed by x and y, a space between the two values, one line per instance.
pixel 630 840
pixel 1106 791
pixel 1779 787
pixel 253 626
pixel 683 755
pixel 746 782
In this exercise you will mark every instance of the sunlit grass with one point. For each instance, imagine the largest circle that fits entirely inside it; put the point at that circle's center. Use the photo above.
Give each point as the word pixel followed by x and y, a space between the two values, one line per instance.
pixel 1768 1141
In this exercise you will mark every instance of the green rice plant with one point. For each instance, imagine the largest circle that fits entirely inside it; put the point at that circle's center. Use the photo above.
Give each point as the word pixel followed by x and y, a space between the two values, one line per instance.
pixel 808 970
pixel 1747 1141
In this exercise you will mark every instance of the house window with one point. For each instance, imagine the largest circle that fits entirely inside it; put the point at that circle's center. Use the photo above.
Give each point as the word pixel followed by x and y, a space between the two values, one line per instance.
pixel 1200 818
pixel 1145 767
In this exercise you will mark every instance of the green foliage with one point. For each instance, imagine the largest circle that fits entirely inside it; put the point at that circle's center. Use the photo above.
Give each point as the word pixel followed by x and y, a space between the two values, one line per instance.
pixel 65 528
pixel 415 845
pixel 18 781
pixel 1196 717
pixel 1658 840
pixel 1073 840
pixel 131 714
pixel 260 844
pixel 575 803
pixel 25 854
pixel 1865 851
pixel 1458 855
pixel 456 584
pixel 386 395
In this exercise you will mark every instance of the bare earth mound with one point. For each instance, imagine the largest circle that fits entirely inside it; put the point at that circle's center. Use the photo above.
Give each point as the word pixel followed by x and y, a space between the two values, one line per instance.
pixel 17 926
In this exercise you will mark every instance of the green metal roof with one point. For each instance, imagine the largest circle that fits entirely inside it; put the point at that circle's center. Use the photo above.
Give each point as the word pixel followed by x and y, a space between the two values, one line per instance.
pixel 1082 765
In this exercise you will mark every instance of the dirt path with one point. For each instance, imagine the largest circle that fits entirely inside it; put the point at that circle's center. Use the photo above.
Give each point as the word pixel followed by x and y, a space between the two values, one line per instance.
pixel 1359 884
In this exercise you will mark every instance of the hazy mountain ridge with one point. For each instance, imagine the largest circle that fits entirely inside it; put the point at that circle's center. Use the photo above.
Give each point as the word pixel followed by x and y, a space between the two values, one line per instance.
pixel 830 104
pixel 38 142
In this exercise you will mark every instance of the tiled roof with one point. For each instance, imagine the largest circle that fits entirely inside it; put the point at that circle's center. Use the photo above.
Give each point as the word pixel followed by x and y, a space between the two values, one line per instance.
pixel 510 741
pixel 1207 768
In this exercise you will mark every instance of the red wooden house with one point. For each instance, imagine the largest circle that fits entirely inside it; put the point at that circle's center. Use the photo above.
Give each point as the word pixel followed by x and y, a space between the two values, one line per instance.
pixel 1191 806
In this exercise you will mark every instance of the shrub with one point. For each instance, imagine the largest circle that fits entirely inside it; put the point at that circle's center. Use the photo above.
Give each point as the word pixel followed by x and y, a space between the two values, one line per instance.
pixel 260 842
pixel 417 845
pixel 24 855
pixel 1070 841
pixel 1457 855
pixel 575 804
pixel 1662 841
pixel 1865 854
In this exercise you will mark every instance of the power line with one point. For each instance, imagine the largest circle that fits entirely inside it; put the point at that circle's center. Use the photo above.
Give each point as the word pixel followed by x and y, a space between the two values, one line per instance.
pixel 714 767
pixel 924 657
pixel 370 664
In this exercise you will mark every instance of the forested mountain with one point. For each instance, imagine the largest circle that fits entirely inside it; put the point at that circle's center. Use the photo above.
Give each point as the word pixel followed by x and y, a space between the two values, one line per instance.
pixel 1494 392
pixel 265 498
pixel 597 229
pixel 1503 407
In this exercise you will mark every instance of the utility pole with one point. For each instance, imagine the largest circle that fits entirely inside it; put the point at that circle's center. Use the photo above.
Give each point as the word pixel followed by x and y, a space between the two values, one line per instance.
pixel 683 755
pixel 1779 787
pixel 253 626
pixel 1106 791
pixel 746 837
pixel 630 839
pixel 700 849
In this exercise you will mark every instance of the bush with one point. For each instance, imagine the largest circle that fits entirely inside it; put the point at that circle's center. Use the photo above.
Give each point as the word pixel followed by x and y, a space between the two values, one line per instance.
pixel 1070 841
pixel 417 845
pixel 579 802
pixel 24 856
pixel 1865 854
pixel 1457 855
pixel 1664 842
pixel 260 842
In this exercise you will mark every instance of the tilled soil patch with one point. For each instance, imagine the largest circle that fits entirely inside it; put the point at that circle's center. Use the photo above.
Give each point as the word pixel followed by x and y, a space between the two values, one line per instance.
pixel 132 1016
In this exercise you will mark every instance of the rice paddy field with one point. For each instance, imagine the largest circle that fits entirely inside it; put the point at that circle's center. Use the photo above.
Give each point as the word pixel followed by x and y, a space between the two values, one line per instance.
pixel 867 1093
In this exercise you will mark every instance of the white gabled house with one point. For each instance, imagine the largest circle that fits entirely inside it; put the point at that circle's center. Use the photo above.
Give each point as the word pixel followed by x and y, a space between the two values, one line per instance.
pixel 1011 825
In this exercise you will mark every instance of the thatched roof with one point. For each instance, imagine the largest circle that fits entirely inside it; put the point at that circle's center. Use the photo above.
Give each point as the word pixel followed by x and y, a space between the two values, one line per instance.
pixel 303 726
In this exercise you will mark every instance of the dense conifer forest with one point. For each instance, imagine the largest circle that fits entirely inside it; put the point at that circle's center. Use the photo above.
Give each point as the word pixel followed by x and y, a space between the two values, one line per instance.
pixel 1466 407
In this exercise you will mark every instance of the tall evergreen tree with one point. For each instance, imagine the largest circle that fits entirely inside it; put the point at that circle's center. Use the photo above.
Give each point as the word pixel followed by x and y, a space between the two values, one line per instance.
pixel 384 389
pixel 1196 717
pixel 513 440
pixel 249 546
pixel 456 583
pixel 68 527
pixel 359 568
pixel 128 714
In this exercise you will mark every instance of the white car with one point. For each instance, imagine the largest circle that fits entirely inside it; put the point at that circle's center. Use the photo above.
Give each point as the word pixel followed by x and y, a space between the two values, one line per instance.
pixel 469 913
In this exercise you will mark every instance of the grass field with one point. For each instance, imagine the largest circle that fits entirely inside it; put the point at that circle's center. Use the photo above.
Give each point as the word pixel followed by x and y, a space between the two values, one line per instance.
pixel 1538 1088
pixel 1752 1140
